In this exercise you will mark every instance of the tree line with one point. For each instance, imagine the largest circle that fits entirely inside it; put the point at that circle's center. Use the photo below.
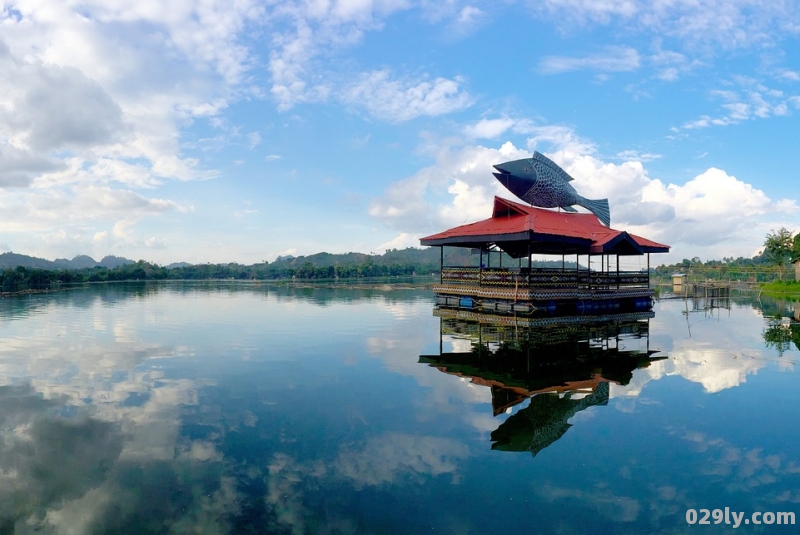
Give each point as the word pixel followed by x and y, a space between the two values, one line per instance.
pixel 23 278
pixel 781 249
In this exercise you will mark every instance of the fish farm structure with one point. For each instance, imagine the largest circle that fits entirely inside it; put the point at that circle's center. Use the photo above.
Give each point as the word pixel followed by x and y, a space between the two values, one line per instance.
pixel 522 231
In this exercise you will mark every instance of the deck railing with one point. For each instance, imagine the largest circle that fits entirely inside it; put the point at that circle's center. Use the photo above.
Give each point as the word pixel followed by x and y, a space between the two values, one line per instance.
pixel 544 278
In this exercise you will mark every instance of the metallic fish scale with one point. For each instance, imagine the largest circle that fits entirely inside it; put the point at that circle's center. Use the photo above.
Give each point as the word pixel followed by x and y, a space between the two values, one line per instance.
pixel 540 182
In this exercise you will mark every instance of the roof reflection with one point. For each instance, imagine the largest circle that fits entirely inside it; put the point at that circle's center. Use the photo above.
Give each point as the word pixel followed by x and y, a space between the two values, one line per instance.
pixel 562 367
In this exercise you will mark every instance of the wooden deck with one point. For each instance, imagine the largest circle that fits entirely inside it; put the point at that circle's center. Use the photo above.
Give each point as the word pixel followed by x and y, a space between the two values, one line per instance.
pixel 544 278
pixel 551 291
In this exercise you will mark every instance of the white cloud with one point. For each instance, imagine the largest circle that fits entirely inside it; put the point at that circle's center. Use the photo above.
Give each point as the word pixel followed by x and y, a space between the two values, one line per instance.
pixel 600 11
pixel 613 59
pixel 469 15
pixel 634 155
pixel 558 137
pixel 50 108
pixel 669 74
pixel 92 201
pixel 489 128
pixel 309 34
pixel 397 100
pixel 89 81
pixel 733 214
pixel 749 100
pixel 431 200
pixel 307 30
pixel 253 140
pixel 730 24
pixel 401 241
pixel 18 167
pixel 154 243
pixel 493 128
pixel 728 210
pixel 95 95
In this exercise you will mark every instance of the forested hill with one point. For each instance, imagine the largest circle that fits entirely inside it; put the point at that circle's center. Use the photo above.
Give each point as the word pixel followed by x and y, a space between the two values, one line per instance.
pixel 11 260
pixel 19 272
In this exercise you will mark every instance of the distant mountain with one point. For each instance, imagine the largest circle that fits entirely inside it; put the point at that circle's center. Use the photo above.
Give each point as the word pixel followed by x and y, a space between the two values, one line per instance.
pixel 178 265
pixel 79 262
pixel 114 261
pixel 422 257
pixel 11 260
pixel 410 255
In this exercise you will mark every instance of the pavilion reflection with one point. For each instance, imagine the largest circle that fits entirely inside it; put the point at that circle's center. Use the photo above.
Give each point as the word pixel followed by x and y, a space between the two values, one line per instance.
pixel 563 365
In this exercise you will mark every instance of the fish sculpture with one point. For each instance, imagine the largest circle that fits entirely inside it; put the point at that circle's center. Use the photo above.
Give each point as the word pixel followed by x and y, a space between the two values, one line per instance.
pixel 540 182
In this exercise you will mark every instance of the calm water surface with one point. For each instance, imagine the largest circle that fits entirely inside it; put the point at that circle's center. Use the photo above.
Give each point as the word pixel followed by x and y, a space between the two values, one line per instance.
pixel 252 409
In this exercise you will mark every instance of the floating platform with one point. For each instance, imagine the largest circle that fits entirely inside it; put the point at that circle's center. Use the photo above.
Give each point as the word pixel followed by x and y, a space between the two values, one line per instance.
pixel 559 301
pixel 517 232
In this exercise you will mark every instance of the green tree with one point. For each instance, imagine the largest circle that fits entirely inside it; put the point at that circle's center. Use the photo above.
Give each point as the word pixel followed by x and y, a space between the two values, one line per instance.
pixel 794 255
pixel 778 248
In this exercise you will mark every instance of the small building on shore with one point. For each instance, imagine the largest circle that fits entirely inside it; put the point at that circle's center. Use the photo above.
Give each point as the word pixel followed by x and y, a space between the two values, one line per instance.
pixel 520 232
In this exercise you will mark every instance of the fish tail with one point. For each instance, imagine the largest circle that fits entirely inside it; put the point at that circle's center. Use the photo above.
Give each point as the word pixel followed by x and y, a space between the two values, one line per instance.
pixel 599 208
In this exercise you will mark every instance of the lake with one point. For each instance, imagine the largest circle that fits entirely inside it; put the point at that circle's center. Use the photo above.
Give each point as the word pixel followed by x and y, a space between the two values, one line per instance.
pixel 246 408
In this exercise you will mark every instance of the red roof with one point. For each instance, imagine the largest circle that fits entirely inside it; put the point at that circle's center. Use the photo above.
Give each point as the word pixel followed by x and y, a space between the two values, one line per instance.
pixel 517 229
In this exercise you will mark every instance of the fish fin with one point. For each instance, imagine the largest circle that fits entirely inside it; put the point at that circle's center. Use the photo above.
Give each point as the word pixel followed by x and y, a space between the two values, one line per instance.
pixel 599 208
pixel 553 165
pixel 568 209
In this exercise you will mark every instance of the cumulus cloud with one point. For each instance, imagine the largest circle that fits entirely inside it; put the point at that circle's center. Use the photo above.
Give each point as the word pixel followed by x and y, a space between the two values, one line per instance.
pixel 458 188
pixel 429 200
pixel 401 241
pixel 86 85
pixel 96 95
pixel 18 167
pixel 729 210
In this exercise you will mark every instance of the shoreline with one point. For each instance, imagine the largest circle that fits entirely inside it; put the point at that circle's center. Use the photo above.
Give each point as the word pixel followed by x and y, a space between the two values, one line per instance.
pixel 302 284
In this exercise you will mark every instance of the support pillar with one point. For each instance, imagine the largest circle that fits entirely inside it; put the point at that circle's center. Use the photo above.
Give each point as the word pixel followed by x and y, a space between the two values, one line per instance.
pixel 441 264
pixel 480 268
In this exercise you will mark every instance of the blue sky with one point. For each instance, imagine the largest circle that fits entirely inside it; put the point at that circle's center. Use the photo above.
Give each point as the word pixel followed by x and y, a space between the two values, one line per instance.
pixel 238 130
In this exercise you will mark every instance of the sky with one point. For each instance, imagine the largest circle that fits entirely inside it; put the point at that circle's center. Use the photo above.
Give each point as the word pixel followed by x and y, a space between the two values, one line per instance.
pixel 241 130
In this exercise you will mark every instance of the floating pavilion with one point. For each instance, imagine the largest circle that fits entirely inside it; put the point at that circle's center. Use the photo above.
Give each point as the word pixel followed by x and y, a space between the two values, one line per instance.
pixel 521 231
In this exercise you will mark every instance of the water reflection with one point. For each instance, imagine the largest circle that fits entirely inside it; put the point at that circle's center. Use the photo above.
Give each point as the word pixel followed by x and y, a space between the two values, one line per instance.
pixel 781 335
pixel 180 407
pixel 209 408
pixel 562 367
